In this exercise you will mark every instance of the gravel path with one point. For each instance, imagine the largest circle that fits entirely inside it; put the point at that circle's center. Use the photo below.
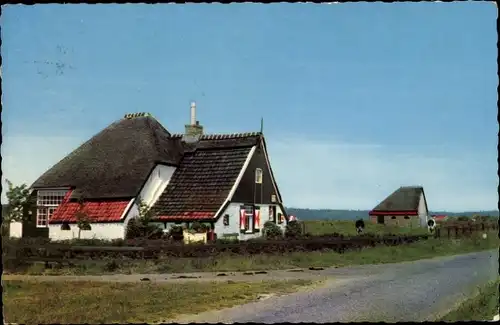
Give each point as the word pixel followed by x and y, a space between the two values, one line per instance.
pixel 416 291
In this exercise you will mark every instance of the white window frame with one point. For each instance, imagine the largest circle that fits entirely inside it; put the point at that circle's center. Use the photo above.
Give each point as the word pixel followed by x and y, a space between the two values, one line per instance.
pixel 249 219
pixel 47 201
pixel 258 176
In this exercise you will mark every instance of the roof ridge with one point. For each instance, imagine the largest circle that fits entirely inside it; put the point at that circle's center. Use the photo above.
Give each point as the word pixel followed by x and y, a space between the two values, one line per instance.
pixel 221 136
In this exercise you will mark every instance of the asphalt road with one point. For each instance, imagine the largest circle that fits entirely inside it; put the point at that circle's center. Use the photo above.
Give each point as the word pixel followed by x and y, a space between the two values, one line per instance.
pixel 412 291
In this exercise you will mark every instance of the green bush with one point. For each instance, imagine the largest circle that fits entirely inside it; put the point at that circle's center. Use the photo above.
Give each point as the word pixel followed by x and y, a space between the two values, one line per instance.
pixel 293 230
pixel 133 229
pixel 272 231
pixel 176 233
pixel 198 227
pixel 111 266
pixel 137 229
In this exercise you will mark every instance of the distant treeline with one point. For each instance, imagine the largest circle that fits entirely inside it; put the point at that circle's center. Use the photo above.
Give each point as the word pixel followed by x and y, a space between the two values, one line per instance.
pixel 326 214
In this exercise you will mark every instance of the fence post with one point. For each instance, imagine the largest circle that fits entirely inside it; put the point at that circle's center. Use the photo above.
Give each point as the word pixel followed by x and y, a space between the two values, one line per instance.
pixel 456 232
pixel 449 230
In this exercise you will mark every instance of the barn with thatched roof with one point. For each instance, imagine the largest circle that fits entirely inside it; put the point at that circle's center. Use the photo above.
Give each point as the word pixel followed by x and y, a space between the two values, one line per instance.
pixel 407 206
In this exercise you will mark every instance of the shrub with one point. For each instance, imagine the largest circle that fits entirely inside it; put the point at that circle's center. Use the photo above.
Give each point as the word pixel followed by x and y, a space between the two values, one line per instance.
pixel 137 229
pixel 293 230
pixel 198 227
pixel 133 229
pixel 176 232
pixel 111 266
pixel 272 231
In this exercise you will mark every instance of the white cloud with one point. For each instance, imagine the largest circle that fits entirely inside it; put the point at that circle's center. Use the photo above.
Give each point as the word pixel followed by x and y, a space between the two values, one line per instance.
pixel 316 174
pixel 25 158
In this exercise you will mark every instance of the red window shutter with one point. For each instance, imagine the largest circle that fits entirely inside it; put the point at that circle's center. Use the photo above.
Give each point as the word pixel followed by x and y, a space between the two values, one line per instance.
pixel 257 219
pixel 242 219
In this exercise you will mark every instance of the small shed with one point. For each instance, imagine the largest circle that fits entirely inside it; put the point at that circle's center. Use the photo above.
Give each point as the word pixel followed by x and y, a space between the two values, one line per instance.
pixel 405 207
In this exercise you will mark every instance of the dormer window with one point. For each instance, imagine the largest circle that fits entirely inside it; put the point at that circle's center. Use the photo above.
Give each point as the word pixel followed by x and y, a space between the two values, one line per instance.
pixel 258 176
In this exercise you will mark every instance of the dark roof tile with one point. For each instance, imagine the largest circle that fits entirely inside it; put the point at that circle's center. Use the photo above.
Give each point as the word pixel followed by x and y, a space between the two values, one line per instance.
pixel 202 182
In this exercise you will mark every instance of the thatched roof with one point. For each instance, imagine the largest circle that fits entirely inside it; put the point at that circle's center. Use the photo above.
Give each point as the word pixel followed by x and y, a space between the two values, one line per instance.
pixel 115 162
pixel 405 198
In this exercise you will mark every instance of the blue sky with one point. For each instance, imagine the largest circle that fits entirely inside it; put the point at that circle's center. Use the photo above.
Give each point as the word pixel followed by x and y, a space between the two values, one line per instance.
pixel 357 99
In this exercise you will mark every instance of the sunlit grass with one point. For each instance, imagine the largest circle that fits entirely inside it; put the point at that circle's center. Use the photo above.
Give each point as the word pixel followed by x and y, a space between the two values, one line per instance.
pixel 33 302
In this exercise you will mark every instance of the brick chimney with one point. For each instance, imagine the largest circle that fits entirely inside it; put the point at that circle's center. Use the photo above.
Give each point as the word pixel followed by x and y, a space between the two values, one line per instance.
pixel 194 130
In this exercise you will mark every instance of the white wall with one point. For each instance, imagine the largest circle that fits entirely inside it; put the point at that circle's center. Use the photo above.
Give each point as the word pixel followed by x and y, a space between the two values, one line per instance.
pixel 156 183
pixel 107 231
pixel 233 210
pixel 422 211
pixel 16 229
pixel 152 190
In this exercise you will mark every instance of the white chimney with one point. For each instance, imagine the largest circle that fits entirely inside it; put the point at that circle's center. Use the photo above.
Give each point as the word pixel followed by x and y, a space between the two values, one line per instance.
pixel 193 113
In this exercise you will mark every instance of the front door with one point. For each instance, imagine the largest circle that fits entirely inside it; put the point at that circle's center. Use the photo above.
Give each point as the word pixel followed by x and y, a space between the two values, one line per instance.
pixel 380 220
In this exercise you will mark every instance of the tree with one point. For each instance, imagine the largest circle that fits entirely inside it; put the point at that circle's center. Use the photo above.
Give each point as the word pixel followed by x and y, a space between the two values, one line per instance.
pixel 19 202
pixel 140 226
pixel 145 213
pixel 82 217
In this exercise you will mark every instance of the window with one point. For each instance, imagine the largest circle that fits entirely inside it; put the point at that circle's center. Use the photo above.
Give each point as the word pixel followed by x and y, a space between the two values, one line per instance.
pixel 406 217
pixel 226 220
pixel 393 217
pixel 41 217
pixel 246 219
pixel 250 219
pixel 272 214
pixel 47 202
pixel 65 226
pixel 50 198
pixel 280 218
pixel 258 176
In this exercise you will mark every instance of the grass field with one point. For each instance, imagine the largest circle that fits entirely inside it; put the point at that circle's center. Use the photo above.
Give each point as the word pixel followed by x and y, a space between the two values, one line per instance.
pixel 482 306
pixel 30 302
pixel 381 254
pixel 346 228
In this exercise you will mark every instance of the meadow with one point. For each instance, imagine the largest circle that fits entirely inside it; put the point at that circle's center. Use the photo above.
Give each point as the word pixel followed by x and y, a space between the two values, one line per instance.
pixel 346 228
pixel 35 302
pixel 482 306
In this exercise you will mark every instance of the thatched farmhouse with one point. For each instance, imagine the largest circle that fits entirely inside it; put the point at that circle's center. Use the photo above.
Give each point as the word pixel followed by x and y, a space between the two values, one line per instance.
pixel 222 180
pixel 405 207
